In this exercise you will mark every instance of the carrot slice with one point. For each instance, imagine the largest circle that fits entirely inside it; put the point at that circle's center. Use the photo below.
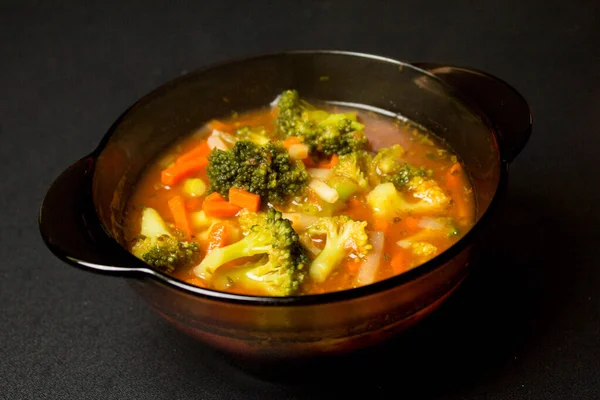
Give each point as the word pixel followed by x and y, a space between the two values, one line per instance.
pixel 198 151
pixel 411 223
pixel 292 140
pixel 214 196
pixel 179 171
pixel 216 206
pixel 355 203
pixel 353 266
pixel 193 204
pixel 244 199
pixel 332 162
pixel 221 209
pixel 381 225
pixel 182 222
pixel 218 236
pixel 399 263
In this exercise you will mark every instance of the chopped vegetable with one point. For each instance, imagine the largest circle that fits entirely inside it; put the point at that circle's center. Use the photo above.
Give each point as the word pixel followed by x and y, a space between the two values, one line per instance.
pixel 289 142
pixel 300 221
pixel 319 173
pixel 194 187
pixel 399 263
pixel 369 267
pixel 193 203
pixel 332 162
pixel 158 247
pixel 349 174
pixel 324 132
pixel 281 267
pixel 215 142
pixel 343 237
pixel 324 191
pixel 424 249
pixel 387 202
pixel 431 223
pixel 217 237
pixel 200 221
pixel 177 208
pixel 298 151
pixel 172 175
pixel 216 206
pixel 222 209
pixel 244 199
pixel 264 170
pixel 197 152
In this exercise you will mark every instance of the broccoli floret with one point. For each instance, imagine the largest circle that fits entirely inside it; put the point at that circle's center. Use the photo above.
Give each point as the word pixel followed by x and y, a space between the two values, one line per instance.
pixel 388 160
pixel 158 247
pixel 324 132
pixel 406 174
pixel 388 166
pixel 340 134
pixel 388 203
pixel 264 170
pixel 263 277
pixel 428 191
pixel 343 236
pixel 423 250
pixel 281 267
pixel 350 174
pixel 168 252
pixel 256 135
pixel 290 108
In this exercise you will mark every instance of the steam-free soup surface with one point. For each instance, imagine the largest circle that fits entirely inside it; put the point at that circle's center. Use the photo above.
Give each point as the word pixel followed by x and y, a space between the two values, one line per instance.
pixel 297 199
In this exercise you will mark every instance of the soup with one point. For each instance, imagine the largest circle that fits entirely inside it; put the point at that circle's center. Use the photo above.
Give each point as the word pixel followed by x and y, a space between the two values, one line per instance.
pixel 299 198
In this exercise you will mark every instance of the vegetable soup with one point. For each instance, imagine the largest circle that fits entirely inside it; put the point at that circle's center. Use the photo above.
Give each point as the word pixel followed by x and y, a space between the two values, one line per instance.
pixel 299 198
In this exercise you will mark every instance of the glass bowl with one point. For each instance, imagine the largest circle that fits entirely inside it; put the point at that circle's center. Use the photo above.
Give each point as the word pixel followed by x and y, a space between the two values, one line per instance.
pixel 483 119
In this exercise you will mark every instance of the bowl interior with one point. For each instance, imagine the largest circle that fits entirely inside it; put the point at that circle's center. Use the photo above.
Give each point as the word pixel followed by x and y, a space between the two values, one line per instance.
pixel 184 104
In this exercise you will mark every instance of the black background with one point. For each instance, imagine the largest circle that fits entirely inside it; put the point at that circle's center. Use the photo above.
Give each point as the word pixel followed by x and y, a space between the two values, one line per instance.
pixel 525 326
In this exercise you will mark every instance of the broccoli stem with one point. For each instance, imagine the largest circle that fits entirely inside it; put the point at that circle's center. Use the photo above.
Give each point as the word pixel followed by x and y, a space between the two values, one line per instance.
pixel 329 258
pixel 244 248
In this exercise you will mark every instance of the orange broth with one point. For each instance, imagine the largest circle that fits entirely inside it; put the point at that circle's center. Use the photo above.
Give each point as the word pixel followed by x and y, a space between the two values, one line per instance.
pixel 422 148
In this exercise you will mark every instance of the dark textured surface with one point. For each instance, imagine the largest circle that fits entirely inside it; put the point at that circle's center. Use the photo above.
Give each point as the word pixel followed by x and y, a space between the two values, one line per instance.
pixel 526 326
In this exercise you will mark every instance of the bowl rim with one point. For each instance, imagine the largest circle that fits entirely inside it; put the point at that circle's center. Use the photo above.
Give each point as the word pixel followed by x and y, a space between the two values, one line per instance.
pixel 327 297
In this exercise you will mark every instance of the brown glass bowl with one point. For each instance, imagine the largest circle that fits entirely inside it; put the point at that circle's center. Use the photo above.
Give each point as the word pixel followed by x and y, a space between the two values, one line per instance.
pixel 484 120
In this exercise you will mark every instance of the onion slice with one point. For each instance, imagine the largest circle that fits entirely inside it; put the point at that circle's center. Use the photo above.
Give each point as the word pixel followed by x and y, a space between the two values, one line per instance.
pixel 298 151
pixel 430 223
pixel 215 142
pixel 324 191
pixel 275 101
pixel 319 173
pixel 300 221
pixel 405 244
pixel 369 267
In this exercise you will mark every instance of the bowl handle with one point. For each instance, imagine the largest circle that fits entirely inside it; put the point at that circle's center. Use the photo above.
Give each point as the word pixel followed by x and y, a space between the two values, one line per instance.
pixel 506 108
pixel 71 230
